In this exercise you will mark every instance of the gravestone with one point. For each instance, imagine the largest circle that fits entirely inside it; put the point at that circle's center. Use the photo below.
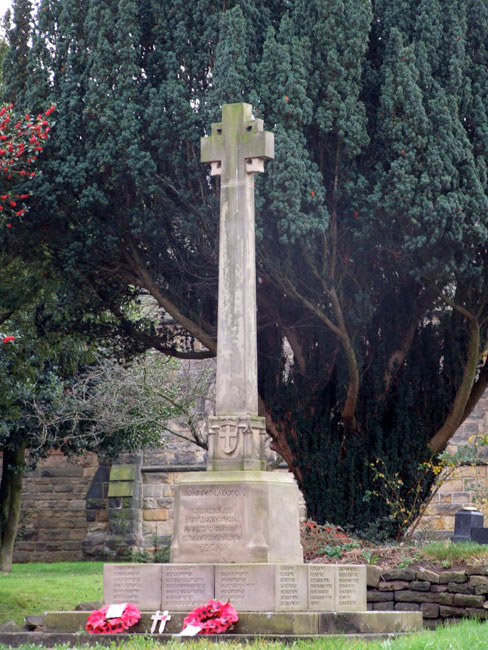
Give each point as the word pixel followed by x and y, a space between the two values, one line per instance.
pixel 236 530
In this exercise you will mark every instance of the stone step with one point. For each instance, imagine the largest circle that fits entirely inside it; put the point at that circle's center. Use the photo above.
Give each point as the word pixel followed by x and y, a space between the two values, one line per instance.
pixel 269 623
pixel 51 639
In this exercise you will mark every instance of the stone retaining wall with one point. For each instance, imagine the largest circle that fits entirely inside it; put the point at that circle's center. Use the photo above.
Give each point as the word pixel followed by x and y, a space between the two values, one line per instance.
pixel 442 597
pixel 53 520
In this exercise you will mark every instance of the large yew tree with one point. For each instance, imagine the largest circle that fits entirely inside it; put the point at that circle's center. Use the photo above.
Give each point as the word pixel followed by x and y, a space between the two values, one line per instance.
pixel 372 236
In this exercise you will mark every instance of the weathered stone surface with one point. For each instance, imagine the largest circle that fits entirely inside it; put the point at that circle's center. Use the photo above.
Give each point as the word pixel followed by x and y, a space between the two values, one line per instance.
pixel 121 489
pixel 429 610
pixel 477 612
pixel 369 622
pixel 465 600
pixel 89 606
pixel 235 145
pixel 350 592
pixel 399 574
pixel 33 621
pixel 481 589
pixel 438 589
pixel 460 588
pixel 408 596
pixel 451 612
pixel 384 607
pixel 237 517
pixel 477 569
pixel 393 585
pixel 452 576
pixel 428 575
pixel 373 575
pixel 65 621
pixel 420 585
pixel 476 581
pixel 321 587
pixel 123 472
pixel 277 623
pixel 9 626
pixel 185 586
pixel 407 607
pixel 446 599
pixel 294 623
pixel 157 514
pixel 249 587
pixel 133 583
pixel 377 596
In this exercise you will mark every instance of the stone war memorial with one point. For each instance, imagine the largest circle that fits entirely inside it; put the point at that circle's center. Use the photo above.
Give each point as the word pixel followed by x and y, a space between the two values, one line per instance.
pixel 236 530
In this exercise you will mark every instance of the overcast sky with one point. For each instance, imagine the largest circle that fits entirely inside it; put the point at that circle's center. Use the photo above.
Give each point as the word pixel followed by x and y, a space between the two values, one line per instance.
pixel 4 5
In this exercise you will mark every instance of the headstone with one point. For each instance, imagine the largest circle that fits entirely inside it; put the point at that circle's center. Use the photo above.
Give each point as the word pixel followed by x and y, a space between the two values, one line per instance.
pixel 479 535
pixel 464 520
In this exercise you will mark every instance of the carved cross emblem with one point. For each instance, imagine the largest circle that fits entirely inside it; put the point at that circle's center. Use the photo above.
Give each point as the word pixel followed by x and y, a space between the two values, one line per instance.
pixel 228 437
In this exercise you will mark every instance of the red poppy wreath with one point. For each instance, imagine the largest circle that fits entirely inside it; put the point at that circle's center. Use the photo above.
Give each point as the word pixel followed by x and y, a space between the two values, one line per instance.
pixel 98 623
pixel 212 618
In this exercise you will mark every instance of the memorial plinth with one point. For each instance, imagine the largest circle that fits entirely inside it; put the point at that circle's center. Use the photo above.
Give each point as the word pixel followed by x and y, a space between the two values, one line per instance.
pixel 249 587
pixel 236 516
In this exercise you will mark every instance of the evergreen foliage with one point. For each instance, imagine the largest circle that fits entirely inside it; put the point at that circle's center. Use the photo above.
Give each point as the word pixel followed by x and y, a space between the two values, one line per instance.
pixel 372 220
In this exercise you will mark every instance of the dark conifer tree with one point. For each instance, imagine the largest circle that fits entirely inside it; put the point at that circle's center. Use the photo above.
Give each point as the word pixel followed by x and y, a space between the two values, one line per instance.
pixel 372 222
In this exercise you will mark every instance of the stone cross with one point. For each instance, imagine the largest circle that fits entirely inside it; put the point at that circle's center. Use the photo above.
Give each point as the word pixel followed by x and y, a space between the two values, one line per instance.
pixel 236 150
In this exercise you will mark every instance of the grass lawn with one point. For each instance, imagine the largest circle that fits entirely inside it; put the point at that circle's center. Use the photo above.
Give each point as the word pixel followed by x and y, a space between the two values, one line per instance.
pixel 37 587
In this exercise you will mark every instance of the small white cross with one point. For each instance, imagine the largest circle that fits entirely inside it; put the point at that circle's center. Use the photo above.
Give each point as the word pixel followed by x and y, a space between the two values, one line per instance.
pixel 159 617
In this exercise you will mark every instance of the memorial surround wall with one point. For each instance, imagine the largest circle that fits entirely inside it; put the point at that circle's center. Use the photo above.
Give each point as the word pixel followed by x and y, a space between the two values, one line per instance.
pixel 65 508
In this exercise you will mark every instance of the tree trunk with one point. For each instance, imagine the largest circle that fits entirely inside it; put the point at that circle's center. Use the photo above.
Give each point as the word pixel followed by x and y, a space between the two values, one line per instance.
pixel 10 501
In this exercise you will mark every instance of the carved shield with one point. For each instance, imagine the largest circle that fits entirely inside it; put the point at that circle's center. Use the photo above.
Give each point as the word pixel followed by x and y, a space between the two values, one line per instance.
pixel 228 437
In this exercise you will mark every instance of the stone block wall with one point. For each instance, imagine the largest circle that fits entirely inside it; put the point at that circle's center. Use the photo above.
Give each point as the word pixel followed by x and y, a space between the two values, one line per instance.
pixel 53 521
pixel 441 596
pixel 469 485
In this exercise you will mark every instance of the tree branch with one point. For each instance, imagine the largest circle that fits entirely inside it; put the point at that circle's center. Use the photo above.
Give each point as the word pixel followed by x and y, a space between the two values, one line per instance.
pixel 191 327
pixel 440 439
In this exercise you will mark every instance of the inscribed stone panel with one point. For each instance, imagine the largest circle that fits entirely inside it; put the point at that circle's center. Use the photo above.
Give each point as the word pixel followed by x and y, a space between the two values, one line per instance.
pixel 139 584
pixel 249 587
pixel 350 588
pixel 212 517
pixel 291 588
pixel 186 586
pixel 321 587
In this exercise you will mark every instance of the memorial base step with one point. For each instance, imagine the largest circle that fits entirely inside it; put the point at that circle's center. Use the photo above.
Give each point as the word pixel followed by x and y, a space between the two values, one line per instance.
pixel 298 624
pixel 249 587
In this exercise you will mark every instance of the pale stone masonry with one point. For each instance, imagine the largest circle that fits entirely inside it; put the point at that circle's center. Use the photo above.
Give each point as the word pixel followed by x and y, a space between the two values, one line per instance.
pixel 236 512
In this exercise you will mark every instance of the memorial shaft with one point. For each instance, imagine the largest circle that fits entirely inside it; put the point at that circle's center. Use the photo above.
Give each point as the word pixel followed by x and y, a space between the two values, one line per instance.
pixel 237 149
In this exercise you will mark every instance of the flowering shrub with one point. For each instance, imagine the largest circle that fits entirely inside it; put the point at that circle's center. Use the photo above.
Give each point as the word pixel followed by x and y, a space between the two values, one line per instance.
pixel 212 618
pixel 21 141
pixel 98 623
pixel 326 539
